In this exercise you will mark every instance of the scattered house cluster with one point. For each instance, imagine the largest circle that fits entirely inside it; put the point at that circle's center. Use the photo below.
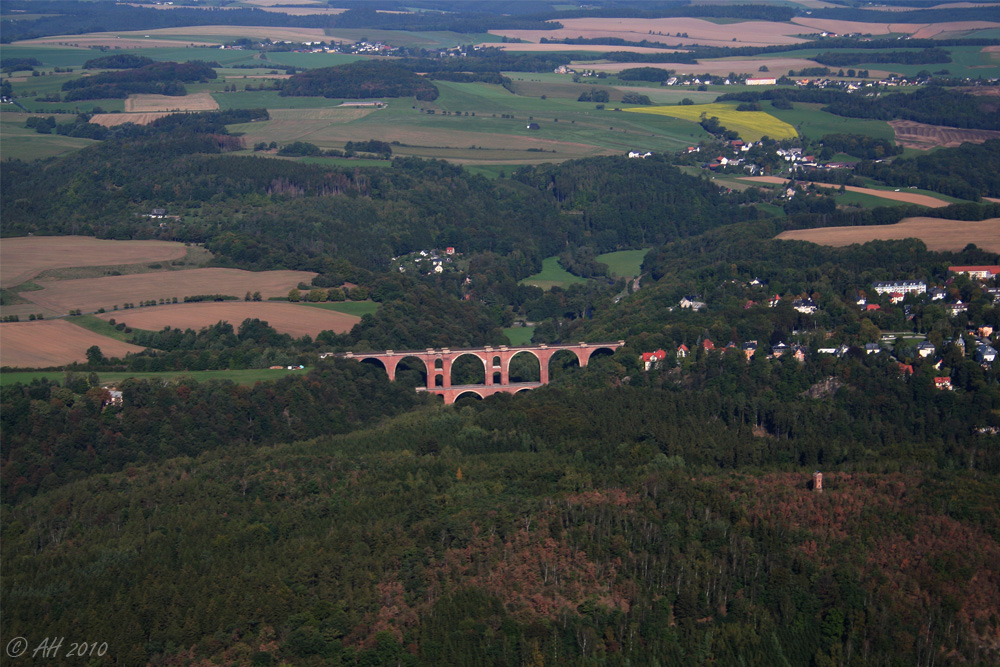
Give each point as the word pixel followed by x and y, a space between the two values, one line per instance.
pixel 427 262
pixel 633 154
pixel 692 303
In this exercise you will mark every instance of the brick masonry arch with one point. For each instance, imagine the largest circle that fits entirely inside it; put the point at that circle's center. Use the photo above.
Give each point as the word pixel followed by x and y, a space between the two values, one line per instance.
pixel 438 363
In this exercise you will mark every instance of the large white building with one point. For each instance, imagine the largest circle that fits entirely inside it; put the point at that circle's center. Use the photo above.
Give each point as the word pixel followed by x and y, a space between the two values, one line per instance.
pixel 901 286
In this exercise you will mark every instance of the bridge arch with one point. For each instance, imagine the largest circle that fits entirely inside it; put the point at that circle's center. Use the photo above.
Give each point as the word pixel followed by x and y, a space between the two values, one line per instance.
pixel 462 370
pixel 524 366
pixel 562 361
pixel 588 353
pixel 412 365
pixel 468 393
pixel 381 362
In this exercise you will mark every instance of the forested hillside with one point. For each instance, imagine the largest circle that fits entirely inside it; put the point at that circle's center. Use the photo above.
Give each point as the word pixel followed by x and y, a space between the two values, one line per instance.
pixel 643 510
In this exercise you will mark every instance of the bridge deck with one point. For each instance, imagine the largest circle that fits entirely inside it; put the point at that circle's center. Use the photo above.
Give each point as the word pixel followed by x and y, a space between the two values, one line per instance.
pixel 495 348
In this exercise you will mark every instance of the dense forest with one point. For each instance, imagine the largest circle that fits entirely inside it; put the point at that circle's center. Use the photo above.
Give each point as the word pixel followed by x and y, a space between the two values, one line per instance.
pixel 366 79
pixel 162 78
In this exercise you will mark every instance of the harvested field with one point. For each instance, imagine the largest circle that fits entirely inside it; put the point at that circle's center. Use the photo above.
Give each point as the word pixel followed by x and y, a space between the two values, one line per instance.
pixel 593 48
pixel 89 294
pixel 718 67
pixel 289 318
pixel 168 37
pixel 286 3
pixel 937 234
pixel 23 258
pixel 916 30
pixel 154 103
pixel 924 137
pixel 53 343
pixel 113 119
pixel 901 195
pixel 699 31
pixel 97 40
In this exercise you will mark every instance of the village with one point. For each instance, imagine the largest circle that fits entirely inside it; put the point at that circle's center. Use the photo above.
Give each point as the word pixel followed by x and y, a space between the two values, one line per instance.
pixel 902 347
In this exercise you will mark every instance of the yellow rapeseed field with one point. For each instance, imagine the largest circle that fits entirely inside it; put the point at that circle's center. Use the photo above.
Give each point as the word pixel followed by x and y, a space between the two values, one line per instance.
pixel 751 125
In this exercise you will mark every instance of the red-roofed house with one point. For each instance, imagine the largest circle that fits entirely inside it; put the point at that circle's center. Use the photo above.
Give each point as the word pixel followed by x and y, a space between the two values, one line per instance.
pixel 906 369
pixel 682 351
pixel 943 383
pixel 653 359
pixel 707 345
pixel 980 272
pixel 873 306
pixel 896 297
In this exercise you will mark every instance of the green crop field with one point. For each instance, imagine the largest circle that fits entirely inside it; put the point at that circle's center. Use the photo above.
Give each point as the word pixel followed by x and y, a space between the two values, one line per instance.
pixel 519 335
pixel 813 123
pixel 624 263
pixel 245 377
pixel 751 125
pixel 99 326
pixel 18 142
pixel 306 60
pixel 552 275
pixel 269 99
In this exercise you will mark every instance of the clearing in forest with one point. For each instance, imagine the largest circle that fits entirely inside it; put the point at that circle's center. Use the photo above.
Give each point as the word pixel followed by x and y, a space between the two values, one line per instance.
pixel 937 234
pixel 53 343
pixel 22 258
pixel 289 318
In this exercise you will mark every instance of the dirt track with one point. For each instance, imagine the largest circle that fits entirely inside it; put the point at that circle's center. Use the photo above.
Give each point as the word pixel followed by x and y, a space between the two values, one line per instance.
pixel 937 234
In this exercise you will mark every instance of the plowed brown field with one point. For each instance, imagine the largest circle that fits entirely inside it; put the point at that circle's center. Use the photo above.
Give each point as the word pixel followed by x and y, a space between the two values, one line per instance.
pixel 910 134
pixel 89 294
pixel 154 103
pixel 937 234
pixel 53 343
pixel 23 258
pixel 112 119
pixel 296 320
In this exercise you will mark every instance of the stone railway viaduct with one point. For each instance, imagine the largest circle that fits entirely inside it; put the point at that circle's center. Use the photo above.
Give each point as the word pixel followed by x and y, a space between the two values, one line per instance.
pixel 496 360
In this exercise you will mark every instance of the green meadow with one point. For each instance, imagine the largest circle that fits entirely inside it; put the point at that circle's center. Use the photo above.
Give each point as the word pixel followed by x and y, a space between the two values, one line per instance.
pixel 552 275
pixel 624 263
pixel 813 123
pixel 20 143
pixel 519 335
